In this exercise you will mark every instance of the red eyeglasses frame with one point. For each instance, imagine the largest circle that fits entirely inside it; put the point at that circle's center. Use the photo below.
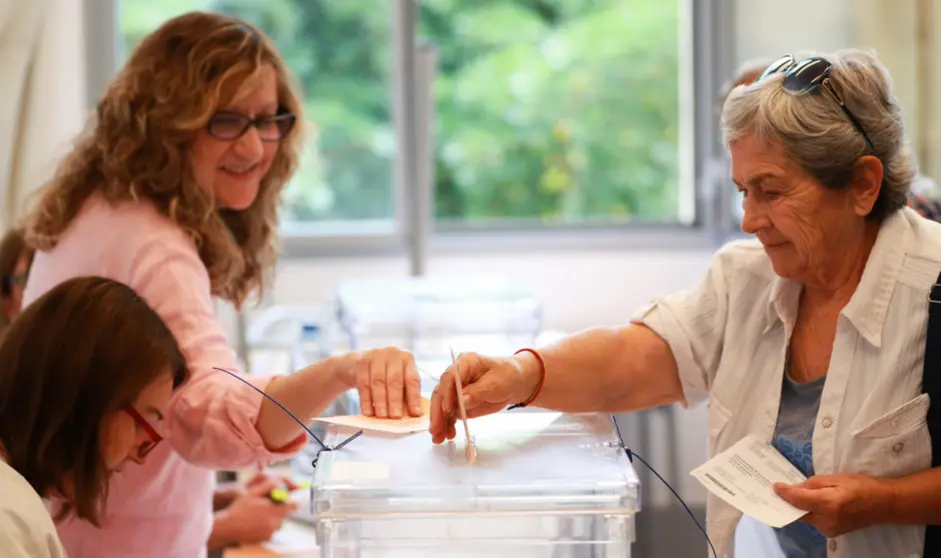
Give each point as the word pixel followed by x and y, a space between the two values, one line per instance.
pixel 155 438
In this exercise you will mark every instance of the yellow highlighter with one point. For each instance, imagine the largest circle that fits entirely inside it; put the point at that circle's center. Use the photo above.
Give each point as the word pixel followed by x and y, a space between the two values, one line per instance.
pixel 279 495
pixel 282 495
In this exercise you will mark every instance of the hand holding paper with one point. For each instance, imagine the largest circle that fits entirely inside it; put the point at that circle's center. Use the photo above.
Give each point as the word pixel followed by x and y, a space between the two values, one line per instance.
pixel 839 504
pixel 405 425
pixel 744 475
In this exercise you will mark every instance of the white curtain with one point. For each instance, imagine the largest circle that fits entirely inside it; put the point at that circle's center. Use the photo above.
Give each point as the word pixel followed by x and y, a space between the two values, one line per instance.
pixel 42 93
pixel 907 37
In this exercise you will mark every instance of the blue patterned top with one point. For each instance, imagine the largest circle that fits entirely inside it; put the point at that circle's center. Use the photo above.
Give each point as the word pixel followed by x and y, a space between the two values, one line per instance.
pixel 928 207
pixel 793 437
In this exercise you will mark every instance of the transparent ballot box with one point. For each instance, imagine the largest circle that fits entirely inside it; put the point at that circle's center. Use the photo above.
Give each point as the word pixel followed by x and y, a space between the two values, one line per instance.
pixel 543 484
pixel 431 315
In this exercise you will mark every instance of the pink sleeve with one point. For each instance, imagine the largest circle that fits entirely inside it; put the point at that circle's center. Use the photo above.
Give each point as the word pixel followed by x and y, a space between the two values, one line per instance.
pixel 212 417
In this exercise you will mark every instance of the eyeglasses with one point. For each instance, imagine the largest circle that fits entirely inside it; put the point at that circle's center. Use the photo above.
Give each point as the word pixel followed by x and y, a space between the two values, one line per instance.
pixel 155 438
pixel 231 126
pixel 807 75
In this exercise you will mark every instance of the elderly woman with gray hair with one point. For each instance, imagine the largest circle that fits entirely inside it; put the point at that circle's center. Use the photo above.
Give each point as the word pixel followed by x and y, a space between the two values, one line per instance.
pixel 810 336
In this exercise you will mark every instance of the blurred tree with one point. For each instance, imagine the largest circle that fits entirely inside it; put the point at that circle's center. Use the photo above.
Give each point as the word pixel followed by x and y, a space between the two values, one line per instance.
pixel 554 110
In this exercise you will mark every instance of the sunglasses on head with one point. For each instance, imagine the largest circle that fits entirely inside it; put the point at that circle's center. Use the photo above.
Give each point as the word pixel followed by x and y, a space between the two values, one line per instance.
pixel 230 126
pixel 807 75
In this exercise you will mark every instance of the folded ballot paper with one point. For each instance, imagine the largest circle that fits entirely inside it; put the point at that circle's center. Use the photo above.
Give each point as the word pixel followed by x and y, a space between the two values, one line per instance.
pixel 743 476
pixel 404 425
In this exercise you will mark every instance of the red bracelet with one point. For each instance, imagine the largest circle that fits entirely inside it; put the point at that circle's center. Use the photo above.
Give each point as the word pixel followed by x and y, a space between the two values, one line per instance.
pixel 542 377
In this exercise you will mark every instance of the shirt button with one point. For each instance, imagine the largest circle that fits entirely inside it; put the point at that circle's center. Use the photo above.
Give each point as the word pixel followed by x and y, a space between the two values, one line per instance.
pixel 827 422
pixel 898 447
pixel 833 545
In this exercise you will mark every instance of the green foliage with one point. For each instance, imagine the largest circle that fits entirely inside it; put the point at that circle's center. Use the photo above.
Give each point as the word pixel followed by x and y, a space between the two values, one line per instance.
pixel 554 110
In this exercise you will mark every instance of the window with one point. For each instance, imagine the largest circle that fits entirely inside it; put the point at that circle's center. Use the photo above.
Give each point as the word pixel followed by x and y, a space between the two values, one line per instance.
pixel 546 113
pixel 561 111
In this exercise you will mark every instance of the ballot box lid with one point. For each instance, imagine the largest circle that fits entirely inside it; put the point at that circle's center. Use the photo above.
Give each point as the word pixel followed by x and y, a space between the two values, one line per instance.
pixel 528 461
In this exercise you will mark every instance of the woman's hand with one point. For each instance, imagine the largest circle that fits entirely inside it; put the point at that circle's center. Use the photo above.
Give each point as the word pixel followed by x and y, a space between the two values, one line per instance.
pixel 259 485
pixel 251 516
pixel 839 504
pixel 489 385
pixel 251 519
pixel 388 382
pixel 386 379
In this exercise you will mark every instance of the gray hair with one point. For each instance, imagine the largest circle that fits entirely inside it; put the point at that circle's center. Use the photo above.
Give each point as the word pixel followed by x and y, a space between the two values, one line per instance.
pixel 818 136
pixel 744 75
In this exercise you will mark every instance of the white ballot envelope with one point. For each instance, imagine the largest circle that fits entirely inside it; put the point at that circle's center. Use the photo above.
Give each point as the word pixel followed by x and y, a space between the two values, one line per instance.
pixel 404 425
pixel 743 476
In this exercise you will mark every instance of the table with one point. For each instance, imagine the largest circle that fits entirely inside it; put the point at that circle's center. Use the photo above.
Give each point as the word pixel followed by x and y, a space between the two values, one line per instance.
pixel 294 540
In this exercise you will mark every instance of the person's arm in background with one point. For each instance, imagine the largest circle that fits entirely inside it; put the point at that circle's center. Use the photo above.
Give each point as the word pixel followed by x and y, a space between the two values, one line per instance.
pixel 223 496
pixel 251 519
pixel 250 516
pixel 668 354
pixel 216 421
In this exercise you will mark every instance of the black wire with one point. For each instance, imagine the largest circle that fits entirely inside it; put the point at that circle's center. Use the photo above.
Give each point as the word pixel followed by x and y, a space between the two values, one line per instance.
pixel 631 455
pixel 323 447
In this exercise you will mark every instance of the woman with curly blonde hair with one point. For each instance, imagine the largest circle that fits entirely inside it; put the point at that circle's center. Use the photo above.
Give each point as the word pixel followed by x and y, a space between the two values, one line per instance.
pixel 174 191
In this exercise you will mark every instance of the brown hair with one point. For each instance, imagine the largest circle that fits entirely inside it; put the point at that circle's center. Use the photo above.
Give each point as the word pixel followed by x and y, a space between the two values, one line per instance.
pixel 137 145
pixel 12 248
pixel 82 351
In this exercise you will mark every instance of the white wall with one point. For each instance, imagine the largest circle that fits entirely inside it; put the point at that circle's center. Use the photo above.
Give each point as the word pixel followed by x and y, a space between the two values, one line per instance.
pixel 42 94
pixel 766 28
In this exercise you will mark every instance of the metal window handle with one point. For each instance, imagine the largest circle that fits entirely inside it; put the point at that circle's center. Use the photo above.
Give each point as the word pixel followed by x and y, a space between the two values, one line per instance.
pixel 414 108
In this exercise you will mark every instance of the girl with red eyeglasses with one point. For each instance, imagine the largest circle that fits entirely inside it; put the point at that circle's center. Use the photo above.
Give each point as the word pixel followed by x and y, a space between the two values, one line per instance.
pixel 70 413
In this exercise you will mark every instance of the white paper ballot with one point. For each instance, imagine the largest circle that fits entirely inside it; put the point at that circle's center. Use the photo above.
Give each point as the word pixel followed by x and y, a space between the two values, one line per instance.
pixel 743 476
pixel 292 540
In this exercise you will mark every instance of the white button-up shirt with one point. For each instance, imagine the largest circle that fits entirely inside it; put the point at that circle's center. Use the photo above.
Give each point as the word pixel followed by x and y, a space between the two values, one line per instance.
pixel 729 337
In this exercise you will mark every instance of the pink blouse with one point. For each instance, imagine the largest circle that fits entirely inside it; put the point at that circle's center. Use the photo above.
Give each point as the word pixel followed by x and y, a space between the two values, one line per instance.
pixel 163 508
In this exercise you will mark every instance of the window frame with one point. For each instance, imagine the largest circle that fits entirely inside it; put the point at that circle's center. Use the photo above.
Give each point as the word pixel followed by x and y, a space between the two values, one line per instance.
pixel 707 58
